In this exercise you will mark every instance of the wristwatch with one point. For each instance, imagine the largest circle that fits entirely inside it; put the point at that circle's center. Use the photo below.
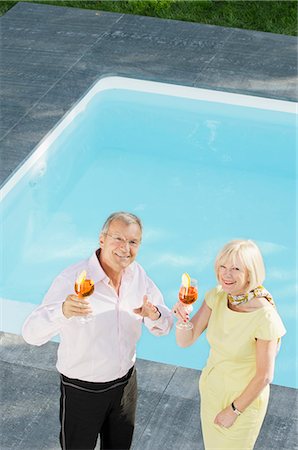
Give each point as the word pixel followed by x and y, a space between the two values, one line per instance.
pixel 157 310
pixel 235 410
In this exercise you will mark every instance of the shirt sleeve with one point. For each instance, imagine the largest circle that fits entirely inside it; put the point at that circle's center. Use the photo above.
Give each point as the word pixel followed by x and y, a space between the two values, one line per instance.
pixel 164 324
pixel 210 297
pixel 47 320
pixel 270 325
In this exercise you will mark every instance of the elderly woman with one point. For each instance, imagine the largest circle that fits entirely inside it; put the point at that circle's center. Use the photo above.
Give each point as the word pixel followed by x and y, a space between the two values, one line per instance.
pixel 243 330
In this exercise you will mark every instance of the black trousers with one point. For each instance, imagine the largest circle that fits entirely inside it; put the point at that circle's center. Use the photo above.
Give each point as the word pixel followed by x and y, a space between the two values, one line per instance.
pixel 91 409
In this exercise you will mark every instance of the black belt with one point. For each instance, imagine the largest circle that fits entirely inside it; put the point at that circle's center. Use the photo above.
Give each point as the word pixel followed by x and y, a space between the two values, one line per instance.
pixel 90 386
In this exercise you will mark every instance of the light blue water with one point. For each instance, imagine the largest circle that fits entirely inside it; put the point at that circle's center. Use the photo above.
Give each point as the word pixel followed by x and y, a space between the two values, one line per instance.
pixel 197 173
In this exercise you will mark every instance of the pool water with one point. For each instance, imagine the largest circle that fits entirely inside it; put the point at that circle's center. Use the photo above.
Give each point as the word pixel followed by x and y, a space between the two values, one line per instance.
pixel 199 172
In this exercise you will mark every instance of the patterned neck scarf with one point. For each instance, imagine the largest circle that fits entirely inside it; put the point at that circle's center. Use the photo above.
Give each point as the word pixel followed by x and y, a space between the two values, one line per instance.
pixel 259 291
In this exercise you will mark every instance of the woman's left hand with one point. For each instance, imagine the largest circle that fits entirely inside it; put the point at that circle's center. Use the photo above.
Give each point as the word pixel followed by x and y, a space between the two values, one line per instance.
pixel 226 417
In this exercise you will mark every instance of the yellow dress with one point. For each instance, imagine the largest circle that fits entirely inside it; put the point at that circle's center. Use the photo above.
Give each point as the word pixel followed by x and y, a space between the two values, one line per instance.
pixel 230 367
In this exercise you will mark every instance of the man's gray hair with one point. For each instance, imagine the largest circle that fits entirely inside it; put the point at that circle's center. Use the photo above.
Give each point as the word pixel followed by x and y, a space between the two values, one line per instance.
pixel 125 217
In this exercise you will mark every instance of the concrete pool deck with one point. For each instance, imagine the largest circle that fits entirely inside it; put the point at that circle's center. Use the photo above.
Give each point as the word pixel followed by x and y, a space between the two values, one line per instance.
pixel 167 413
pixel 50 56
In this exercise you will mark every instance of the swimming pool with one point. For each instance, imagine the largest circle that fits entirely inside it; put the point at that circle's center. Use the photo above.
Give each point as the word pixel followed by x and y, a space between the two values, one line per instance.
pixel 199 167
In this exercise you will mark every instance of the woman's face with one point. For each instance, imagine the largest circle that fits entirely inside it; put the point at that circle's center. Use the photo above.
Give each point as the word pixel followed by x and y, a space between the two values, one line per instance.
pixel 233 277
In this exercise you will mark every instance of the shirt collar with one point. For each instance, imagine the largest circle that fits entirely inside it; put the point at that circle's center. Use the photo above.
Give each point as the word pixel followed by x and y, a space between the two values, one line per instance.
pixel 98 274
pixel 95 269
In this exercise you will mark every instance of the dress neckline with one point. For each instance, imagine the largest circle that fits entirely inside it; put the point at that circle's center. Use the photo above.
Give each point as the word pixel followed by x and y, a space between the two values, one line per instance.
pixel 245 312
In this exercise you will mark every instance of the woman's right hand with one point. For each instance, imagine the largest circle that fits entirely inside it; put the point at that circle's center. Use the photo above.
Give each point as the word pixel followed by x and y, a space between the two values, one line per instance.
pixel 75 306
pixel 181 311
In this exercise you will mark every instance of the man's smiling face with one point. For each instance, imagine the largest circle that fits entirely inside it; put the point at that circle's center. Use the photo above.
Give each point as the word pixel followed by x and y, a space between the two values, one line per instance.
pixel 120 245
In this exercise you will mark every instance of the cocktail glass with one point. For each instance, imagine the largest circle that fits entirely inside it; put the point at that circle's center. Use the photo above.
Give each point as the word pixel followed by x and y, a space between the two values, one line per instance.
pixel 84 287
pixel 188 294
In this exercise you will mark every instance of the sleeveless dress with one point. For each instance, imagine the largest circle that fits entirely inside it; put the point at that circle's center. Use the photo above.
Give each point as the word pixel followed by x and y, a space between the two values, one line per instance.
pixel 230 367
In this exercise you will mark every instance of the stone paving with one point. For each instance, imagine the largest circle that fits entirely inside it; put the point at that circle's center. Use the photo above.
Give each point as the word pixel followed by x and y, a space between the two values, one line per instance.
pixel 168 405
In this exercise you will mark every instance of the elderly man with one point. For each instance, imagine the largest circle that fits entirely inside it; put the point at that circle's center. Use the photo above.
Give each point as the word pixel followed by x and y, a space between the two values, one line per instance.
pixel 96 357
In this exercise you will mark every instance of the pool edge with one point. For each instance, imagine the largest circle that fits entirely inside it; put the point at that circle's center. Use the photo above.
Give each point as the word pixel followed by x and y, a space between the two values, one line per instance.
pixel 133 84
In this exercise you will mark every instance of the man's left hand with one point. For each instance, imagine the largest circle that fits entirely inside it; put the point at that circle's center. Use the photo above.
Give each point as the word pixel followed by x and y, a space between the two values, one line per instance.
pixel 148 310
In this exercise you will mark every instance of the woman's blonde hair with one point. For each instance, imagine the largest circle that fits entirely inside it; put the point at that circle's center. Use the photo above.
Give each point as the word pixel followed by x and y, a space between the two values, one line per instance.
pixel 249 255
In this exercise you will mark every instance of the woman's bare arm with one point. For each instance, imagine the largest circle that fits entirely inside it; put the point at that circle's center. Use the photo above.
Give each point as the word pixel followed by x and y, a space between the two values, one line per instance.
pixel 265 361
pixel 187 337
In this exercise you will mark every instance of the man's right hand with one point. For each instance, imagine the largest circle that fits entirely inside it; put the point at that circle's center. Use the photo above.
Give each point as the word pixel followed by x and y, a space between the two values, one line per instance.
pixel 75 306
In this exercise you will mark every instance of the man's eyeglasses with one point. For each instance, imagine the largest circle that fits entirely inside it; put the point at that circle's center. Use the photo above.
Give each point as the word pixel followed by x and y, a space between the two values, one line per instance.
pixel 122 241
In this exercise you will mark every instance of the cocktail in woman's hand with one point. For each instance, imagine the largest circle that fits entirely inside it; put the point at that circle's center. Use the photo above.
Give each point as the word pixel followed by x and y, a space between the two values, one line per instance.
pixel 188 294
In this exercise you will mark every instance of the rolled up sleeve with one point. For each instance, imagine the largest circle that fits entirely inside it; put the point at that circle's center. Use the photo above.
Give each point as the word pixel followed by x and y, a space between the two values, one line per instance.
pixel 163 325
